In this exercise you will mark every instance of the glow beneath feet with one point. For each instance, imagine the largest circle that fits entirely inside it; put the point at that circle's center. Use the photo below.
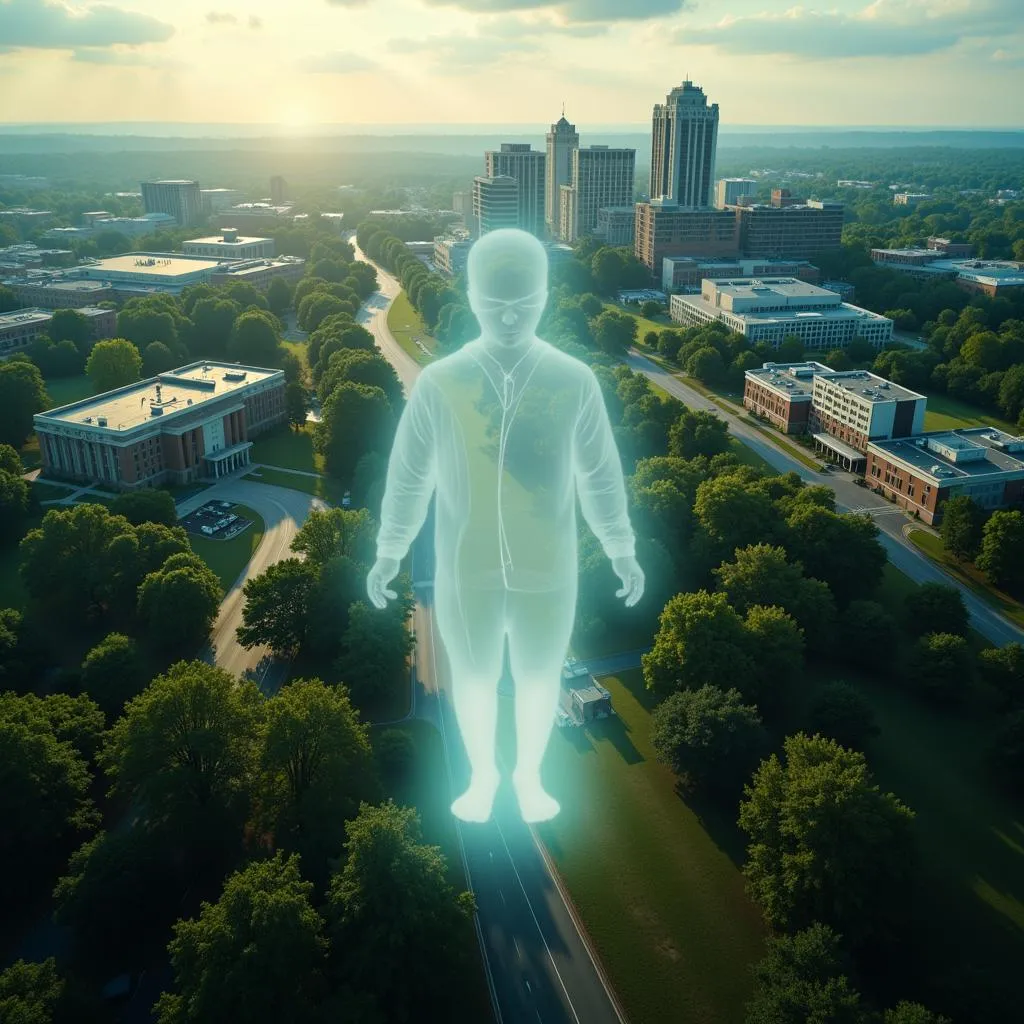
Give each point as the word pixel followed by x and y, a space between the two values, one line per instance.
pixel 535 804
pixel 476 803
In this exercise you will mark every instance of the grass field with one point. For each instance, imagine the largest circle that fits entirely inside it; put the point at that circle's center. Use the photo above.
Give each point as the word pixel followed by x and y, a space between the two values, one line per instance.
pixel 643 325
pixel 319 486
pixel 945 413
pixel 288 448
pixel 227 558
pixel 427 790
pixel 49 492
pixel 301 351
pixel 654 880
pixel 968 575
pixel 407 326
pixel 65 390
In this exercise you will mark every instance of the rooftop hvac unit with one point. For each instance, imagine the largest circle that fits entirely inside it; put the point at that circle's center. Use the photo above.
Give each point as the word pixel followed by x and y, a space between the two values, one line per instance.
pixel 102 421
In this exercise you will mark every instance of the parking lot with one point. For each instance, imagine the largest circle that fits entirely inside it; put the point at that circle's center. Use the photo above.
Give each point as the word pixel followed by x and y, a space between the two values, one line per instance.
pixel 216 520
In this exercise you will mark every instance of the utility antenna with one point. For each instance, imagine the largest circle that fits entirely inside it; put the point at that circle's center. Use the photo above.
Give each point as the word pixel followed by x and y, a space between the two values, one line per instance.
pixel 563 108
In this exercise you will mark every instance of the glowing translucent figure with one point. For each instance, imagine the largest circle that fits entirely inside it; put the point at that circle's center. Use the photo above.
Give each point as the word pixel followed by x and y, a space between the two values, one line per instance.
pixel 507 432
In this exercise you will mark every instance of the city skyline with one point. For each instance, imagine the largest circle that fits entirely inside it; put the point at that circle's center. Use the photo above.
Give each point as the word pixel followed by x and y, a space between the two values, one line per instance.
pixel 465 62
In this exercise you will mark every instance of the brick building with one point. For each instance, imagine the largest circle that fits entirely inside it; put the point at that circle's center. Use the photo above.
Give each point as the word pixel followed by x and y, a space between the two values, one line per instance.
pixel 791 229
pixel 674 231
pixel 921 473
pixel 188 424
pixel 21 327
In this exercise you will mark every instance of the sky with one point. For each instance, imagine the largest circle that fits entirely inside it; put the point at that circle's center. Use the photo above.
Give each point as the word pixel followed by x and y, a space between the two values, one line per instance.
pixel 298 63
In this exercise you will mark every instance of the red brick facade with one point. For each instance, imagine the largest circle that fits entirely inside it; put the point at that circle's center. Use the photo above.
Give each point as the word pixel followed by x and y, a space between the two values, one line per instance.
pixel 824 423
pixel 780 410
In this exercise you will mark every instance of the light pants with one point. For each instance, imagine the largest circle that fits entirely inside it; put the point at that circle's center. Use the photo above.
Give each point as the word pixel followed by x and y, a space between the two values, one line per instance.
pixel 473 624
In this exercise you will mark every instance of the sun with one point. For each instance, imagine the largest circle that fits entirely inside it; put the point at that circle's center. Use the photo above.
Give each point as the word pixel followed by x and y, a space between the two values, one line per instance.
pixel 294 118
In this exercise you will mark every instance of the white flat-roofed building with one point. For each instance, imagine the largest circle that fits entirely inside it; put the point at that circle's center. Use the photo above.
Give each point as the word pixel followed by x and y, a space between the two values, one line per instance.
pixel 769 309
pixel 166 269
pixel 685 273
pixel 216 199
pixel 188 424
pixel 260 272
pixel 451 254
pixel 990 277
pixel 134 227
pixel 729 190
pixel 229 244
pixel 910 198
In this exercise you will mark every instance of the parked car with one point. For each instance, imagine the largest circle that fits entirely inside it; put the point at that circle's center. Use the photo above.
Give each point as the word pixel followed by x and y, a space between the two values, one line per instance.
pixel 346 500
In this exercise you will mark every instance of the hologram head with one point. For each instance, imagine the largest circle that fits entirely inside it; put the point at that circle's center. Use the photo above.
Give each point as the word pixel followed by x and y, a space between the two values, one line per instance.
pixel 508 285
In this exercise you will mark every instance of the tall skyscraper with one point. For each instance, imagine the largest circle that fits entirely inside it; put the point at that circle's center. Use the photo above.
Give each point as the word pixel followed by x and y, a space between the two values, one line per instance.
pixel 495 203
pixel 526 165
pixel 562 140
pixel 277 190
pixel 601 177
pixel 180 199
pixel 683 152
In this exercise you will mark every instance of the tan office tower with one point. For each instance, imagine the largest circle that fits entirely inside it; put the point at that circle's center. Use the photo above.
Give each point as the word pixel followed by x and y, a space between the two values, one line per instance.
pixel 180 199
pixel 526 165
pixel 495 203
pixel 685 130
pixel 601 177
pixel 562 140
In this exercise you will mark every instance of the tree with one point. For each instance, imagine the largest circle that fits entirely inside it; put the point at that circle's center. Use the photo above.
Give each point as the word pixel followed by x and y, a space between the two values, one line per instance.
pixel 375 650
pixel 940 667
pixel 935 608
pixel 591 305
pixel 113 672
pixel 395 754
pixel 700 641
pixel 296 402
pixel 1001 557
pixel 22 395
pixel 213 321
pixel 265 927
pixel 706 365
pixel 1003 669
pixel 185 749
pixel 255 339
pixel 315 765
pixel 733 515
pixel 361 367
pixel 113 364
pixel 962 522
pixel 14 504
pixel 279 295
pixel 70 325
pixel 614 332
pixel 179 604
pixel 8 299
pixel 708 736
pixel 277 604
pixel 913 1013
pixel 355 419
pixel 327 533
pixel 790 350
pixel 146 320
pixel 157 358
pixel 1006 754
pixel 698 433
pixel 10 461
pixel 139 551
pixel 825 843
pixel 651 309
pixel 30 992
pixel 864 628
pixel 841 712
pixel 801 980
pixel 392 903
pixel 146 506
pixel 775 644
pixel 316 307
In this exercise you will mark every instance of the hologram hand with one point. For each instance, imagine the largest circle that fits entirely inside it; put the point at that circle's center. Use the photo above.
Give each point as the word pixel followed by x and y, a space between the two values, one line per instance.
pixel 632 576
pixel 383 572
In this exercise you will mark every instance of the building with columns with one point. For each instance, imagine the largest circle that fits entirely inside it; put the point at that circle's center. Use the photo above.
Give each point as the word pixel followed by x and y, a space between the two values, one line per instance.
pixel 193 423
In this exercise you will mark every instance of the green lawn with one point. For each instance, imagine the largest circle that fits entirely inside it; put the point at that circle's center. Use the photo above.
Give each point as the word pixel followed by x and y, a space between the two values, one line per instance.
pixel 65 390
pixel 407 326
pixel 45 491
pixel 320 486
pixel 643 325
pixel 654 880
pixel 227 558
pixel 288 448
pixel 426 789
pixel 967 574
pixel 945 413
pixel 749 457
pixel 301 351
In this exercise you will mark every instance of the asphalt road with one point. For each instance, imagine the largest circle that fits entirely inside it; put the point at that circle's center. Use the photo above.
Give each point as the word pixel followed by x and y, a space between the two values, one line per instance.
pixel 849 498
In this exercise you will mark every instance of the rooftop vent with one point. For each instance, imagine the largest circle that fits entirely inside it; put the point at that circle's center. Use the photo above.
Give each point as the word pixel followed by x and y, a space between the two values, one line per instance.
pixel 235 375
pixel 102 421
pixel 88 419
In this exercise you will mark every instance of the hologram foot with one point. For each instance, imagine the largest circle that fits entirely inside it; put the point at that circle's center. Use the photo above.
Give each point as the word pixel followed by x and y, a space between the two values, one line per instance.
pixel 535 803
pixel 476 803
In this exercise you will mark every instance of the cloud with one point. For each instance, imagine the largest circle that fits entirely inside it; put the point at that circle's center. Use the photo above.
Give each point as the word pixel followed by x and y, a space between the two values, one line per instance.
pixel 458 52
pixel 348 3
pixel 255 22
pixel 884 28
pixel 570 10
pixel 55 26
pixel 126 58
pixel 338 63
pixel 221 18
pixel 515 28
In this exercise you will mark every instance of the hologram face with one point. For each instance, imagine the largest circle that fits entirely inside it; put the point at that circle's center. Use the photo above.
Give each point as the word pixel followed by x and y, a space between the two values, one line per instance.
pixel 508 278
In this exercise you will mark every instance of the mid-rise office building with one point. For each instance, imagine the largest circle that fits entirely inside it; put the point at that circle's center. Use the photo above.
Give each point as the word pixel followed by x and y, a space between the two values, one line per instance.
pixel 260 272
pixel 216 199
pixel 910 198
pixel 451 255
pixel 55 290
pixel 189 424
pixel 495 203
pixel 922 473
pixel 252 217
pixel 729 190
pixel 674 231
pixel 562 140
pixel 522 162
pixel 601 176
pixel 229 244
pixel 770 309
pixel 985 277
pixel 21 327
pixel 950 248
pixel 843 410
pixel 616 225
pixel 687 273
pixel 685 139
pixel 799 231
pixel 180 199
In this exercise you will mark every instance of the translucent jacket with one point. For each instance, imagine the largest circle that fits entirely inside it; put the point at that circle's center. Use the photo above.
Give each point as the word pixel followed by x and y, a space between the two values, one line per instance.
pixel 506 454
